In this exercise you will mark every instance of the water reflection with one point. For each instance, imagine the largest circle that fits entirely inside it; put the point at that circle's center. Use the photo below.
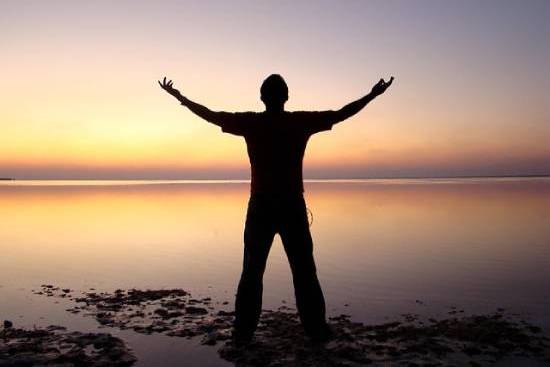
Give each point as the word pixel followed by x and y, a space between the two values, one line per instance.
pixel 380 245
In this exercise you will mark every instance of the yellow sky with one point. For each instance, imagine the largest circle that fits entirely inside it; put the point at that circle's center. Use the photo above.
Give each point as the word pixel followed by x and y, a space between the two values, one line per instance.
pixel 80 99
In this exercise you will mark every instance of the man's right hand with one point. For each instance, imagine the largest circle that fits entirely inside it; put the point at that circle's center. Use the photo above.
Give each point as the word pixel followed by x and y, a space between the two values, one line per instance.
pixel 167 86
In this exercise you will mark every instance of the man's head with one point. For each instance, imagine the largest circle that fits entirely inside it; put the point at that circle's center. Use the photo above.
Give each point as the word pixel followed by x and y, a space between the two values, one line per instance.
pixel 274 92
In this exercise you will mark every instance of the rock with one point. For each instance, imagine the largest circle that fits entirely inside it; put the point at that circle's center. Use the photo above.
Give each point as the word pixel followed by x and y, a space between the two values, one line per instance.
pixel 226 313
pixel 196 310
pixel 210 339
pixel 56 328
pixel 176 304
pixel 8 324
pixel 161 312
pixel 53 346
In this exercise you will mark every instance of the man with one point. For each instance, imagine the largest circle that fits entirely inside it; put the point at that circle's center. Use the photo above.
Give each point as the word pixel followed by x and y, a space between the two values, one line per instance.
pixel 276 142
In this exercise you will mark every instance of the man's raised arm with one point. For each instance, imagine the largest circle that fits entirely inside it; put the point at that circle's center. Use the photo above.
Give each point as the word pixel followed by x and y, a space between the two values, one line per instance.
pixel 352 108
pixel 198 109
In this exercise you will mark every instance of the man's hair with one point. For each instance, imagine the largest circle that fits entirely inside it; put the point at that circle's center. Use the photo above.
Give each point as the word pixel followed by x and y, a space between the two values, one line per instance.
pixel 274 88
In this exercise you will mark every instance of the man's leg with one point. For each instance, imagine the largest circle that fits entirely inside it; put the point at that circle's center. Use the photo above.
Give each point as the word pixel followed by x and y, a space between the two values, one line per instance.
pixel 258 237
pixel 299 249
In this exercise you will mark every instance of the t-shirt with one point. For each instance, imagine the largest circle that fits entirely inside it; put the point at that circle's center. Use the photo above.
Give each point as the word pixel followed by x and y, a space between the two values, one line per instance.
pixel 276 143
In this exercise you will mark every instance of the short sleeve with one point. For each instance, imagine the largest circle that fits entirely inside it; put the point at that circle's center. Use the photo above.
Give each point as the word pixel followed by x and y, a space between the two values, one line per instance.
pixel 236 123
pixel 316 121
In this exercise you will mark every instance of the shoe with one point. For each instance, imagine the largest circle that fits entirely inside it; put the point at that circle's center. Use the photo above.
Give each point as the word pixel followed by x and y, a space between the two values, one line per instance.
pixel 241 339
pixel 321 335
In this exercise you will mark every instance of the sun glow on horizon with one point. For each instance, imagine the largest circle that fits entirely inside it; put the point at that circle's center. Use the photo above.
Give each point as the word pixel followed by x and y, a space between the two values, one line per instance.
pixel 80 99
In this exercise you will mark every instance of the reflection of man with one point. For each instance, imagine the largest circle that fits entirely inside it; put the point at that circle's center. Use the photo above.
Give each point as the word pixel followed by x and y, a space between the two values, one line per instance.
pixel 276 141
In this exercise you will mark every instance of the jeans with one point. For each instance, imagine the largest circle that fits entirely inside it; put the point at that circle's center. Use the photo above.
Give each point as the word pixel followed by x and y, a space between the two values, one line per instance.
pixel 266 216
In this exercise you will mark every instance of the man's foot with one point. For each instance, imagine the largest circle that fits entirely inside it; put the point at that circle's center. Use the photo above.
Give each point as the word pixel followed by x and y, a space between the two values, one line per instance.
pixel 240 339
pixel 321 335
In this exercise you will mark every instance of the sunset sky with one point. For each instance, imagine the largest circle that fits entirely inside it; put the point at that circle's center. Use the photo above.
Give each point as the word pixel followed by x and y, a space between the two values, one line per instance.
pixel 79 97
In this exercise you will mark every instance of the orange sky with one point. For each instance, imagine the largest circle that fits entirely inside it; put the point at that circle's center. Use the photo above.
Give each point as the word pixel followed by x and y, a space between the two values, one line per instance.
pixel 80 99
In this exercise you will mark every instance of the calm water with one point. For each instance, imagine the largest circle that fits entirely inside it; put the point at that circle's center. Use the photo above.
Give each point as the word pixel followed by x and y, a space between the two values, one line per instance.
pixel 380 245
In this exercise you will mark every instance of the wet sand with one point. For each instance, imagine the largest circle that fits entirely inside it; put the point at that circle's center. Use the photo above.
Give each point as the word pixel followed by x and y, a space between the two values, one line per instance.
pixel 458 339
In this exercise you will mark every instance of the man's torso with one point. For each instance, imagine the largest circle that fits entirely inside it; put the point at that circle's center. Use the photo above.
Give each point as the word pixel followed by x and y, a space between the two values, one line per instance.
pixel 276 144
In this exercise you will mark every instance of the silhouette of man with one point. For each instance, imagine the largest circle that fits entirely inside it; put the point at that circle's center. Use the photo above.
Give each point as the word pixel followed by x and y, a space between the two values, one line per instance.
pixel 276 141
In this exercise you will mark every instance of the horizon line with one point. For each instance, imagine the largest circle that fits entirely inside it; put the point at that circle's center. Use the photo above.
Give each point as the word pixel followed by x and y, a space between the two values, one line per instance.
pixel 305 179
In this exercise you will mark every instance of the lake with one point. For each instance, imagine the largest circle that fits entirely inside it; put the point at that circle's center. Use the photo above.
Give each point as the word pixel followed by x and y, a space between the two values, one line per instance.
pixel 383 248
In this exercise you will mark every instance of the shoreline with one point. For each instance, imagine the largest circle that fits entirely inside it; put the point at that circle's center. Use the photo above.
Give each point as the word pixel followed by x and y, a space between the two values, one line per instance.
pixel 459 337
